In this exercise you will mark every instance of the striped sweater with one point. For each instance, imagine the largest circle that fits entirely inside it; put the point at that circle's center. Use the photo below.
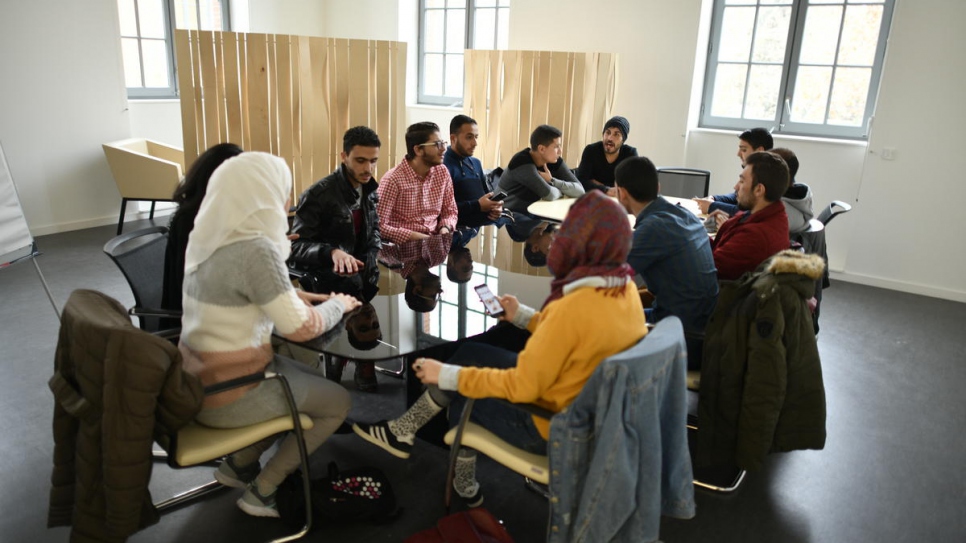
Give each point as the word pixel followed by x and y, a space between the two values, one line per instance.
pixel 231 303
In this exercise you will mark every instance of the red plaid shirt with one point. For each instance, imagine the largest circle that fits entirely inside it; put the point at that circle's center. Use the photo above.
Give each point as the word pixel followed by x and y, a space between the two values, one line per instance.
pixel 409 204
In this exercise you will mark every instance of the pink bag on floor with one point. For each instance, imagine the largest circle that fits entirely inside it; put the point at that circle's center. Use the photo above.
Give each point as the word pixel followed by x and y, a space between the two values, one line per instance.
pixel 476 525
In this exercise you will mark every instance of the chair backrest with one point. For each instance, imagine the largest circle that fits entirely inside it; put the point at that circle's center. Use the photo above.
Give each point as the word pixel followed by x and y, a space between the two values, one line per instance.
pixel 140 256
pixel 837 207
pixel 144 169
pixel 684 182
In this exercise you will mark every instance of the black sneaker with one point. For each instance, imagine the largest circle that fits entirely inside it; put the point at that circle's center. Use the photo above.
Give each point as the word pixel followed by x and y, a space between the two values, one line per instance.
pixel 234 476
pixel 257 505
pixel 365 377
pixel 476 500
pixel 378 434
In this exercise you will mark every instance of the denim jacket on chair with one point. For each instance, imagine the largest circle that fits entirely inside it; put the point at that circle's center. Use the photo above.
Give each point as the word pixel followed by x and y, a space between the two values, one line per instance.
pixel 619 454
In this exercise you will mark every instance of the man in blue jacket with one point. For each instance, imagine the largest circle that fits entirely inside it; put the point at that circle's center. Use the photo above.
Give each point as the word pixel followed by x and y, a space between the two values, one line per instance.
pixel 474 206
pixel 671 251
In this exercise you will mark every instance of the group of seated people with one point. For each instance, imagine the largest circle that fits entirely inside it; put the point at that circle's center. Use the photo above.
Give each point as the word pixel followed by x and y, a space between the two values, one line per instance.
pixel 235 282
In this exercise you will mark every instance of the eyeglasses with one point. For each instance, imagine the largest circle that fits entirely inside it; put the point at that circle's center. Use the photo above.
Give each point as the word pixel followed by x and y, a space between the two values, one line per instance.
pixel 440 144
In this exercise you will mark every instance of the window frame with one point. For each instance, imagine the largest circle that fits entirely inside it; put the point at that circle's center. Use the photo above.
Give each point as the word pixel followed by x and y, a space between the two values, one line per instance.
pixel 171 91
pixel 782 123
pixel 471 8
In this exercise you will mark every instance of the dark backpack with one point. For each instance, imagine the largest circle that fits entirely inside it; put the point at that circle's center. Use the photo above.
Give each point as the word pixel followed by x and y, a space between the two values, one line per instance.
pixel 361 494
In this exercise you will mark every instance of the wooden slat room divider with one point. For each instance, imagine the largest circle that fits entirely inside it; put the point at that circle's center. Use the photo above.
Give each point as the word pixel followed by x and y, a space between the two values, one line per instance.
pixel 510 93
pixel 292 96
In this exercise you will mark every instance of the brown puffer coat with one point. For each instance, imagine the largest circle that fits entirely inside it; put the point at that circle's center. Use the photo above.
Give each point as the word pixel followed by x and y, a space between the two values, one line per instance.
pixel 116 387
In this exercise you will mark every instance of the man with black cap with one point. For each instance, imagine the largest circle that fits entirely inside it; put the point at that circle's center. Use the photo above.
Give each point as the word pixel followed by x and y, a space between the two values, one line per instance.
pixel 597 164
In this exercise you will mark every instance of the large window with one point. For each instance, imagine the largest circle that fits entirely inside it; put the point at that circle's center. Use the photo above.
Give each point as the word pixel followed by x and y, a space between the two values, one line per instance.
pixel 446 29
pixel 147 40
pixel 808 67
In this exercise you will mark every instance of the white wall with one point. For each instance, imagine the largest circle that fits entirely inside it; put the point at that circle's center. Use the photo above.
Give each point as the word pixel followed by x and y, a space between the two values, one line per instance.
pixel 656 42
pixel 908 230
pixel 61 96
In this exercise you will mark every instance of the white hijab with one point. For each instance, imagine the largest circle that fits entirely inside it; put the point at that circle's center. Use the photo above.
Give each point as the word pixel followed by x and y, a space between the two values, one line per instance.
pixel 245 200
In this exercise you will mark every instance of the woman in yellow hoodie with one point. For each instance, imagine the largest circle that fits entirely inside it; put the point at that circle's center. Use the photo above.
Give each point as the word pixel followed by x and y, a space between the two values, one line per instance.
pixel 593 312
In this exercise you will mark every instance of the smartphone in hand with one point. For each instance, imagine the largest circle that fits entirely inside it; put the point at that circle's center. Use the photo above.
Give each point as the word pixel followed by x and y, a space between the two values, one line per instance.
pixel 498 197
pixel 493 307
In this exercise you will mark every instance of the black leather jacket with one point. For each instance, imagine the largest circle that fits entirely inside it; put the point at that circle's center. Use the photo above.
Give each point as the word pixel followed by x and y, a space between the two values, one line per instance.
pixel 323 221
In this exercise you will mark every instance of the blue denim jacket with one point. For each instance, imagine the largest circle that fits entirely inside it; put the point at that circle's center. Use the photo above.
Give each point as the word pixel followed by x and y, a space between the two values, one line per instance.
pixel 619 454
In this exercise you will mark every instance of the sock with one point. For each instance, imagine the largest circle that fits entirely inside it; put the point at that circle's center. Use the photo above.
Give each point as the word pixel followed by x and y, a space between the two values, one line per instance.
pixel 265 489
pixel 465 481
pixel 404 428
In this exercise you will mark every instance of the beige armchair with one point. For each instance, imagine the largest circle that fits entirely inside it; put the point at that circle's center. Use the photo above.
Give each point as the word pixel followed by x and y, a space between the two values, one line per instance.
pixel 144 170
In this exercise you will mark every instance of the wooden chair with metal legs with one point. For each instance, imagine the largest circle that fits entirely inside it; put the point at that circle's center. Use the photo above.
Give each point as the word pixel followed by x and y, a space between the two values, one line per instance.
pixel 98 327
pixel 196 445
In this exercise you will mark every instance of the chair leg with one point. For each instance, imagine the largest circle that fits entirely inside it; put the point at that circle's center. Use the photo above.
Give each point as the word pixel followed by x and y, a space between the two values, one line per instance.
pixel 189 495
pixel 454 451
pixel 398 374
pixel 120 221
pixel 303 458
pixel 151 214
pixel 536 487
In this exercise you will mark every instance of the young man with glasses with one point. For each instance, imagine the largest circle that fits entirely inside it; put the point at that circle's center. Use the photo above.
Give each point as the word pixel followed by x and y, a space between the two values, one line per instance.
pixel 416 197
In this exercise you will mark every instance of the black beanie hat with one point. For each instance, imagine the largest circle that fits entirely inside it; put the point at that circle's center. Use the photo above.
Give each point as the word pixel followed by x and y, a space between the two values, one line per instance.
pixel 620 123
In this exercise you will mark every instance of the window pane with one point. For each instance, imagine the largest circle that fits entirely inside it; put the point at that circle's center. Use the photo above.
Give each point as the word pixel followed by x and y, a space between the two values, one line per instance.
pixel 821 35
pixel 763 86
pixel 456 3
pixel 151 15
pixel 155 63
pixel 860 35
pixel 849 94
pixel 433 75
pixel 740 2
pixel 811 94
pixel 449 314
pixel 211 15
pixel 454 75
pixel 736 30
pixel 772 34
pixel 125 12
pixel 503 29
pixel 505 3
pixel 866 1
pixel 484 29
pixel 132 62
pixel 776 2
pixel 474 323
pixel 185 15
pixel 729 90
pixel 455 30
pixel 435 3
pixel 485 3
pixel 433 31
pixel 826 2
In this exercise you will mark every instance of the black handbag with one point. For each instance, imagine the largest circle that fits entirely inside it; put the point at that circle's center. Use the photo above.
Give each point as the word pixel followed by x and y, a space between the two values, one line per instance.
pixel 362 494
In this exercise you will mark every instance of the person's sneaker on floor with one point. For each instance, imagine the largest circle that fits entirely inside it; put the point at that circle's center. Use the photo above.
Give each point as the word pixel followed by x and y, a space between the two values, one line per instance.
pixel 378 434
pixel 234 476
pixel 365 377
pixel 257 505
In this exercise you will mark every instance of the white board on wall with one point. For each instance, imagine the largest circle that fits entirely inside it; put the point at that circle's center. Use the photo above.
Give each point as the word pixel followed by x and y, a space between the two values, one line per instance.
pixel 15 239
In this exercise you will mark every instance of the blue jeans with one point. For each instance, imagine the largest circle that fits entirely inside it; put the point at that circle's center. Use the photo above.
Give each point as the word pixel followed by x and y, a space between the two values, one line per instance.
pixel 509 423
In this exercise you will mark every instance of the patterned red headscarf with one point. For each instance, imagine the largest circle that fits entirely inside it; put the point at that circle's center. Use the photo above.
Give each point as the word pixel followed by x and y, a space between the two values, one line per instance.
pixel 593 241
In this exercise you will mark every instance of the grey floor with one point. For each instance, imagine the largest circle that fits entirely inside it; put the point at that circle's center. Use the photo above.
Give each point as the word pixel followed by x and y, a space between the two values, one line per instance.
pixel 893 468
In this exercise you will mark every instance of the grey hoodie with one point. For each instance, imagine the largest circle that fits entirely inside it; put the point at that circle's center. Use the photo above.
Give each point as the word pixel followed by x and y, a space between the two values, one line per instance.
pixel 798 206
